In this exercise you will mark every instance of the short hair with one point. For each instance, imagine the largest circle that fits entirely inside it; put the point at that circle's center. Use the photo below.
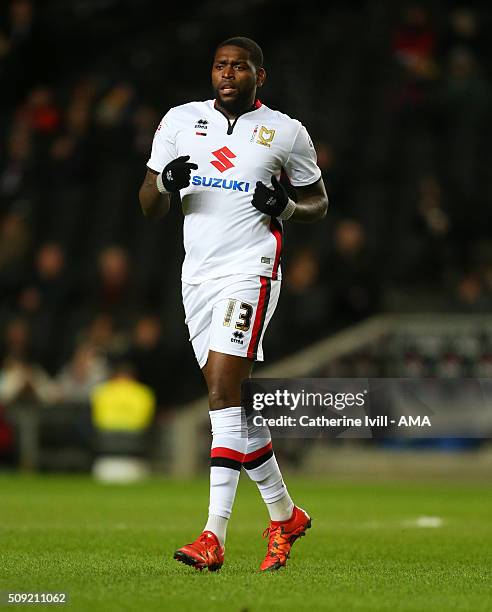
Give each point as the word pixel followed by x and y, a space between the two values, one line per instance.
pixel 253 48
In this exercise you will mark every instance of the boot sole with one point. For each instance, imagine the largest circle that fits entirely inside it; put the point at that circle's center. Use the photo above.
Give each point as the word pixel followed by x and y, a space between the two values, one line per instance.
pixel 198 565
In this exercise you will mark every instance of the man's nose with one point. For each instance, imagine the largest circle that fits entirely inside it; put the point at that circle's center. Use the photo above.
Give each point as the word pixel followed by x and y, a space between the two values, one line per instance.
pixel 228 72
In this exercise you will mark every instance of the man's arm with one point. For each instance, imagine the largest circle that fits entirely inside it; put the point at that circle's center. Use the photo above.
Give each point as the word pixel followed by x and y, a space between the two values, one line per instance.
pixel 312 203
pixel 155 205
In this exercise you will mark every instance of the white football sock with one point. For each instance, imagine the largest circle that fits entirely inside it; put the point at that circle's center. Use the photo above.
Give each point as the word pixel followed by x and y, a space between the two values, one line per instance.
pixel 229 441
pixel 261 466
pixel 218 525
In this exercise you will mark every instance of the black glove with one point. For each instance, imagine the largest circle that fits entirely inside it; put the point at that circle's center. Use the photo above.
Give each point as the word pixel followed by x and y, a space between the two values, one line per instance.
pixel 268 201
pixel 176 175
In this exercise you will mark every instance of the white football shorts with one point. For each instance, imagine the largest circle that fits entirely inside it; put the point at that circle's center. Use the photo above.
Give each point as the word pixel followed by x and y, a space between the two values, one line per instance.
pixel 230 314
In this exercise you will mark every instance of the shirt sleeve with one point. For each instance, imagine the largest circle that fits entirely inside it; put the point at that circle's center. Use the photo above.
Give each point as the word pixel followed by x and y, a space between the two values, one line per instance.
pixel 301 166
pixel 163 145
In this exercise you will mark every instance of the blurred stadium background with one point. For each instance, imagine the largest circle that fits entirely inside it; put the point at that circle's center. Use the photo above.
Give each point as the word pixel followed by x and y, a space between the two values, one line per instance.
pixel 396 282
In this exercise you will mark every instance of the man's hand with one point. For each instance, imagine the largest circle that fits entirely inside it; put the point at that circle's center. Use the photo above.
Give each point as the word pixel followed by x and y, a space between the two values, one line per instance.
pixel 176 175
pixel 274 202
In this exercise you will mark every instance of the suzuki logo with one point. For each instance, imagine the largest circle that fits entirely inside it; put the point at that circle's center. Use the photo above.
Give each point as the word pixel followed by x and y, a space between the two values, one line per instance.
pixel 223 155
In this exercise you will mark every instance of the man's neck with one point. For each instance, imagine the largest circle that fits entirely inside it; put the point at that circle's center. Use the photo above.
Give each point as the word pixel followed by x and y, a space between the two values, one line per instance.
pixel 234 114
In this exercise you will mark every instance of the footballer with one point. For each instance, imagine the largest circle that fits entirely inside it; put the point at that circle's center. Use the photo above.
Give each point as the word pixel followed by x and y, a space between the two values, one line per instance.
pixel 224 158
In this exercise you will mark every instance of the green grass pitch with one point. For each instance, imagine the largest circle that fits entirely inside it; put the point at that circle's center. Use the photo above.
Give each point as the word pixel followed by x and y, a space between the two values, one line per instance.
pixel 111 547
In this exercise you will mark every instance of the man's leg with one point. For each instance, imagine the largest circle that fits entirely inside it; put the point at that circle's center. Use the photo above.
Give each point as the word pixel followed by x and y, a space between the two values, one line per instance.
pixel 224 374
pixel 287 521
pixel 261 466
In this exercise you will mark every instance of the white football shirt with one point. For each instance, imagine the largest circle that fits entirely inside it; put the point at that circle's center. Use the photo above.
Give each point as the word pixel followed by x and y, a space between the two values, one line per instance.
pixel 223 233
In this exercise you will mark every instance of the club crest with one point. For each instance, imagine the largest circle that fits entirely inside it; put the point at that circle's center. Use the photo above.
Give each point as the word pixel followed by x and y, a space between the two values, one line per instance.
pixel 265 136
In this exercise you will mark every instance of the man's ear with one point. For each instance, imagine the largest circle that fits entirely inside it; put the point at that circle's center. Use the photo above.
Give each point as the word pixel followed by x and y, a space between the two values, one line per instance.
pixel 260 77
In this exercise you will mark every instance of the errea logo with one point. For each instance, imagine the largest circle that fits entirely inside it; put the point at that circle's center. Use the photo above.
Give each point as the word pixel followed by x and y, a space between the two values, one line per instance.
pixel 201 125
pixel 223 155
pixel 237 337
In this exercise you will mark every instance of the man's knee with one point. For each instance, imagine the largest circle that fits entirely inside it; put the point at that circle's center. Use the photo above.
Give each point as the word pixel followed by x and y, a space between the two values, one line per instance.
pixel 222 396
pixel 224 374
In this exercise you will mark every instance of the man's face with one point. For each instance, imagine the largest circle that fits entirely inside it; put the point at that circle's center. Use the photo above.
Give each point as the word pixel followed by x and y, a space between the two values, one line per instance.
pixel 235 78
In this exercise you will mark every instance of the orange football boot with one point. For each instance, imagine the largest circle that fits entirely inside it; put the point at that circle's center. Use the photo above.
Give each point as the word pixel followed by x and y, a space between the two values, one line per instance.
pixel 281 537
pixel 204 552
